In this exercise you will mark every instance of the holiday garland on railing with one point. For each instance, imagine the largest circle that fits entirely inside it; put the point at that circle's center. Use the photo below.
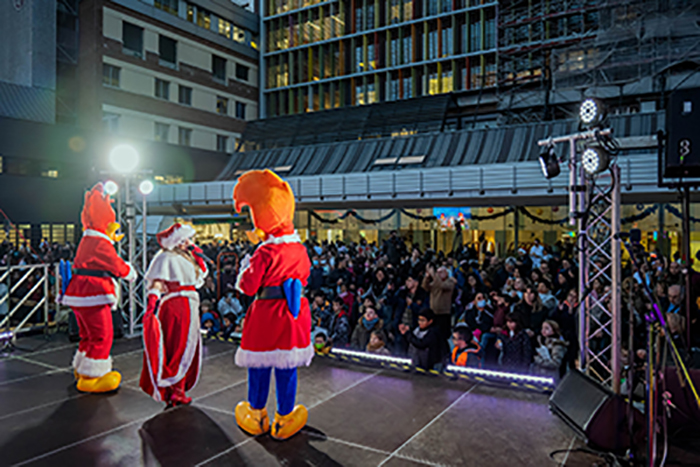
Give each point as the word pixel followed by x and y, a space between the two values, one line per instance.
pixel 625 220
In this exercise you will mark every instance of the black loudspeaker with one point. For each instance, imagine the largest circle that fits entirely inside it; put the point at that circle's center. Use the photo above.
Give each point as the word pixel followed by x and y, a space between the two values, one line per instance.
pixel 683 143
pixel 594 412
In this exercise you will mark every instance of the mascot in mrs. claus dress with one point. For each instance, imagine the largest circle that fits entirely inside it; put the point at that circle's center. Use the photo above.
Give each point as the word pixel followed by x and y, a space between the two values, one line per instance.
pixel 92 293
pixel 171 337
pixel 277 331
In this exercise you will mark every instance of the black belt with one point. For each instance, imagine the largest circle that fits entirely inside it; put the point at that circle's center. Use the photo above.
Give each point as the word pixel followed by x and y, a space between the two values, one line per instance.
pixel 270 293
pixel 93 273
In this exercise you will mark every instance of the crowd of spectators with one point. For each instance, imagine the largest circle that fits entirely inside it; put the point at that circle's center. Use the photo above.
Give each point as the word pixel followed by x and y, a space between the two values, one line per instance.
pixel 465 307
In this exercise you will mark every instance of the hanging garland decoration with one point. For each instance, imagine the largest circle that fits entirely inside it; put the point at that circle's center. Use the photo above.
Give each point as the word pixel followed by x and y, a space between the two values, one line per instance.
pixel 642 215
pixel 539 220
pixel 673 210
pixel 354 214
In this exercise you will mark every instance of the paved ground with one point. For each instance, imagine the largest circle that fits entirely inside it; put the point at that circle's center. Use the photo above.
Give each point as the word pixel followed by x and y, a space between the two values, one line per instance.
pixel 357 416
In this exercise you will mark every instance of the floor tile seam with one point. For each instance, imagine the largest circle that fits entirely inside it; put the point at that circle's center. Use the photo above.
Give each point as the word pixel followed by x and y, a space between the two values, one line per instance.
pixel 44 364
pixel 39 352
pixel 27 378
pixel 342 391
pixel 429 424
pixel 568 451
pixel 105 433
pixel 223 453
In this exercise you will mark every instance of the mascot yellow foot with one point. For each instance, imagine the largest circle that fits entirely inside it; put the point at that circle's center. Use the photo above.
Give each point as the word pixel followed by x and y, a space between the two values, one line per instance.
pixel 254 422
pixel 106 383
pixel 284 427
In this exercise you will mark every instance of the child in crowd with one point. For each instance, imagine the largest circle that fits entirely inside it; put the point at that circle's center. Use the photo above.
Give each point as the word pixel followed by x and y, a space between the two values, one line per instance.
pixel 230 304
pixel 229 325
pixel 551 350
pixel 320 311
pixel 424 341
pixel 210 324
pixel 515 346
pixel 377 343
pixel 321 343
pixel 340 324
pixel 467 351
pixel 369 322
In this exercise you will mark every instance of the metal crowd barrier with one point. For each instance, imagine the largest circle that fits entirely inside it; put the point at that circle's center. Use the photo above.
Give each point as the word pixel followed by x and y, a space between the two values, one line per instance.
pixel 15 299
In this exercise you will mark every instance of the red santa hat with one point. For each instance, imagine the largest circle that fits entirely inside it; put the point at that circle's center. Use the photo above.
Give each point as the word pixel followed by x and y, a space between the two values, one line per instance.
pixel 175 235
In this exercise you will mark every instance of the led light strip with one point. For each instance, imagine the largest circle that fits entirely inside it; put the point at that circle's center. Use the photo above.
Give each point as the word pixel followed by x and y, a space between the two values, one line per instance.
pixel 370 356
pixel 501 374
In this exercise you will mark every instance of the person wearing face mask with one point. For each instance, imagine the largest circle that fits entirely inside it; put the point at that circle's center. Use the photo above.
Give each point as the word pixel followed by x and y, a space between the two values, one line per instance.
pixel 369 322
pixel 316 279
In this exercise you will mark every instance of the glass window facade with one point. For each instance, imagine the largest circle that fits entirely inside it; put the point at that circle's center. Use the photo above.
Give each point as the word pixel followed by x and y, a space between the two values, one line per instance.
pixel 356 52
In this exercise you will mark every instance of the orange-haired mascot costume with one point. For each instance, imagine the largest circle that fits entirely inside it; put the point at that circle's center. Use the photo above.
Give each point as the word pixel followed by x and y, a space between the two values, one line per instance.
pixel 277 332
pixel 91 292
pixel 171 337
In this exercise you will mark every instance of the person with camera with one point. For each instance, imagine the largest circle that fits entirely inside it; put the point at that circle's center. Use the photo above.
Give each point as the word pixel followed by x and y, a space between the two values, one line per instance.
pixel 440 286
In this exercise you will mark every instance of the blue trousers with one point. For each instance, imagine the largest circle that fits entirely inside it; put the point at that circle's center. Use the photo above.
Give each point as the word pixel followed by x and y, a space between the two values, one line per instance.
pixel 259 387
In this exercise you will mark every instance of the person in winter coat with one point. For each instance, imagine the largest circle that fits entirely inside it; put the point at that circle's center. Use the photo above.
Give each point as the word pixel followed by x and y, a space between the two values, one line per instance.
pixel 377 344
pixel 515 346
pixel 440 287
pixel 551 350
pixel 339 328
pixel 467 351
pixel 369 322
pixel 423 341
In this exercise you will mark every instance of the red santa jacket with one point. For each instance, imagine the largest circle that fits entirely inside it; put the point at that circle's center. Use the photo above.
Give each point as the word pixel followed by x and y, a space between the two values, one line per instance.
pixel 272 337
pixel 96 253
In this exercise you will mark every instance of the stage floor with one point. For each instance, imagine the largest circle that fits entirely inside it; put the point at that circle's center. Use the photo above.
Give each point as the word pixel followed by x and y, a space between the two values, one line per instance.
pixel 357 416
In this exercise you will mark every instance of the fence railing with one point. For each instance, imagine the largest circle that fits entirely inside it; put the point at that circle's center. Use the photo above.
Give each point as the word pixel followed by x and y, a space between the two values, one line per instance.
pixel 24 292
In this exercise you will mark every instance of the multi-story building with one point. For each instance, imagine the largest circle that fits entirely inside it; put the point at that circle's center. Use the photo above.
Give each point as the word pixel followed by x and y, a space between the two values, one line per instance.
pixel 328 54
pixel 174 71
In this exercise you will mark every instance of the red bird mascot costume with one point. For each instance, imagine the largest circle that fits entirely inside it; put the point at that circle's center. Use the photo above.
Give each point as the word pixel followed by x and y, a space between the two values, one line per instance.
pixel 172 341
pixel 91 293
pixel 277 332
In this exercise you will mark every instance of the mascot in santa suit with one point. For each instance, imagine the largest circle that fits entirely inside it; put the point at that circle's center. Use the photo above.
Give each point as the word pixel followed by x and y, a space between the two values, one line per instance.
pixel 172 341
pixel 92 293
pixel 277 332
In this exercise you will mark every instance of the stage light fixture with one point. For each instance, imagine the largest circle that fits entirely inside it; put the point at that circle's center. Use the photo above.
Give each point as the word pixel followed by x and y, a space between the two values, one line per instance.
pixel 549 163
pixel 591 112
pixel 370 356
pixel 111 187
pixel 146 187
pixel 124 158
pixel 595 160
pixel 501 375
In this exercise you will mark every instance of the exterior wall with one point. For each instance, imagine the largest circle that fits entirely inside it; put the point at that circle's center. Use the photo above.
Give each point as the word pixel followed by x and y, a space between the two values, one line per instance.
pixel 133 101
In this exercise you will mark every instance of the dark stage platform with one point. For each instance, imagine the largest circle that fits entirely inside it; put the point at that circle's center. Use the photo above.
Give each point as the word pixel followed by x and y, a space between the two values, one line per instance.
pixel 357 416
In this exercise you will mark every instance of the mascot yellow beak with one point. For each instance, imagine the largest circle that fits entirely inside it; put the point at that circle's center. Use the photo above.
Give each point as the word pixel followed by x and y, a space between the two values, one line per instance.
pixel 113 232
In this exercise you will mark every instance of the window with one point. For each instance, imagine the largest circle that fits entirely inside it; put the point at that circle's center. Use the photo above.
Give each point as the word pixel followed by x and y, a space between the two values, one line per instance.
pixel 240 110
pixel 222 143
pixel 162 132
pixel 163 89
pixel 218 67
pixel 184 136
pixel 238 34
pixel 132 37
pixel 242 72
pixel 110 75
pixel 111 122
pixel 221 105
pixel 224 28
pixel 167 49
pixel 190 13
pixel 185 95
pixel 171 6
pixel 203 19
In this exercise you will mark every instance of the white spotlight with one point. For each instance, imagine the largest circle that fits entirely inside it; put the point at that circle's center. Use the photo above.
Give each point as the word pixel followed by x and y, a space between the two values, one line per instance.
pixel 595 160
pixel 124 158
pixel 146 187
pixel 591 112
pixel 111 187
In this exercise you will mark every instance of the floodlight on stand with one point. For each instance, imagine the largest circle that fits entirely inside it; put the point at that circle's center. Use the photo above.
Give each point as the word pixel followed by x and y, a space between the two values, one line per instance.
pixel 549 162
pixel 111 187
pixel 595 160
pixel 146 187
pixel 591 112
pixel 124 158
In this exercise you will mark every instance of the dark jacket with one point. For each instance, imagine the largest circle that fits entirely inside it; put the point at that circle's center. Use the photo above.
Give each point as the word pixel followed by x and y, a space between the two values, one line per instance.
pixel 517 352
pixel 424 351
pixel 340 330
pixel 360 336
pixel 316 280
